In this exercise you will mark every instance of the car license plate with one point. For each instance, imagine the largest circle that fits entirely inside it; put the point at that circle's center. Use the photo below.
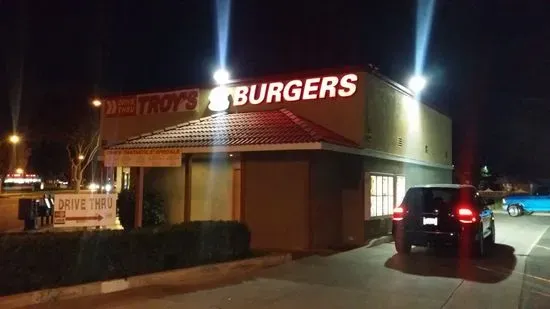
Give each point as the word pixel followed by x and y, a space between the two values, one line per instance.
pixel 430 221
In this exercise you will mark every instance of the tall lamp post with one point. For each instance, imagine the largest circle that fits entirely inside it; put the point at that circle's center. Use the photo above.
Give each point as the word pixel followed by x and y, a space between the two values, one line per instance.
pixel 96 103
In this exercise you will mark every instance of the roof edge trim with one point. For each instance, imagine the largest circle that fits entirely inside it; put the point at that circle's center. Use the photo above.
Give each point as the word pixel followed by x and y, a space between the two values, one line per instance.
pixel 382 155
pixel 254 148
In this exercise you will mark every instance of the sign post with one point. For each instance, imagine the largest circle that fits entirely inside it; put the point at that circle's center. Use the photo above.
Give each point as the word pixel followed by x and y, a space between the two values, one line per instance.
pixel 84 210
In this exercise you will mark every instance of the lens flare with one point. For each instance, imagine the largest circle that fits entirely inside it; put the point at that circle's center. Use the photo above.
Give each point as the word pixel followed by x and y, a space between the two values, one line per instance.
pixel 223 14
pixel 424 17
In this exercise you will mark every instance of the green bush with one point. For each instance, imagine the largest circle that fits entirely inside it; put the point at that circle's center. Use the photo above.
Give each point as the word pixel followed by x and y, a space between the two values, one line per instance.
pixel 125 206
pixel 47 260
pixel 153 208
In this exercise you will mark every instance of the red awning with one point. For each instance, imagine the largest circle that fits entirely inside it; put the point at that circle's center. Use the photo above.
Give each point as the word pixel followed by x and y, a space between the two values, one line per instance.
pixel 239 129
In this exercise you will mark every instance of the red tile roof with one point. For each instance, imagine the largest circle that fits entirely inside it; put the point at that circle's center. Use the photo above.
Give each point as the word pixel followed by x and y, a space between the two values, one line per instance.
pixel 239 129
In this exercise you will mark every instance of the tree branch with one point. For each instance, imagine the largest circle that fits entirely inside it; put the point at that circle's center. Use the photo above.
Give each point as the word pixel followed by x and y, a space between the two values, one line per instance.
pixel 93 143
pixel 92 149
pixel 68 147
pixel 84 142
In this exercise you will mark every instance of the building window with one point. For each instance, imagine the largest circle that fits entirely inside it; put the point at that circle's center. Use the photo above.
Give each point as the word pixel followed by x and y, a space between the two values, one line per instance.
pixel 382 198
pixel 386 192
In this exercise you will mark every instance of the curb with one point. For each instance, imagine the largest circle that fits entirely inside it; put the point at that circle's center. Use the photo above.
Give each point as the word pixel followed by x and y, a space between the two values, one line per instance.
pixel 193 275
pixel 380 240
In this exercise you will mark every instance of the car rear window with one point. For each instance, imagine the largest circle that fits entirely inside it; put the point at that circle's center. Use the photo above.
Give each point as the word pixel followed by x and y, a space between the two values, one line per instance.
pixel 442 199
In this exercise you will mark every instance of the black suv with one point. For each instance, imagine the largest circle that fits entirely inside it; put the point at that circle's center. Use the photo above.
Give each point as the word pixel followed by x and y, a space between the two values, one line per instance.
pixel 434 215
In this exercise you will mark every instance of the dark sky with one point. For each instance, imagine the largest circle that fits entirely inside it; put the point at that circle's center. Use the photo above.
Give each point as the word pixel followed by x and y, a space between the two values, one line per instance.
pixel 488 61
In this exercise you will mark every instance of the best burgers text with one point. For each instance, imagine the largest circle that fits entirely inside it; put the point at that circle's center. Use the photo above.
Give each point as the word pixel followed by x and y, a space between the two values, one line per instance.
pixel 295 90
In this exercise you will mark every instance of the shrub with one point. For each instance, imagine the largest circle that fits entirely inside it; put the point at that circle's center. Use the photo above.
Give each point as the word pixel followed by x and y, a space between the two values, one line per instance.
pixel 153 208
pixel 125 206
pixel 47 260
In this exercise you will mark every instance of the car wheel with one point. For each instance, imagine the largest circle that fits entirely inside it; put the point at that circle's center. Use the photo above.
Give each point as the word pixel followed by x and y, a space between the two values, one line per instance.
pixel 514 210
pixel 402 247
pixel 491 240
pixel 479 245
pixel 480 250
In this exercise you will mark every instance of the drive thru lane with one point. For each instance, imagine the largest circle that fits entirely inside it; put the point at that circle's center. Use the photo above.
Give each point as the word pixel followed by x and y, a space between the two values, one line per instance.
pixel 369 278
pixel 516 238
pixel 536 281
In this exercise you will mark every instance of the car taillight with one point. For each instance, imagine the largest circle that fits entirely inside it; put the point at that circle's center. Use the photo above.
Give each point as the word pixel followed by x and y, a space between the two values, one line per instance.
pixel 466 214
pixel 398 213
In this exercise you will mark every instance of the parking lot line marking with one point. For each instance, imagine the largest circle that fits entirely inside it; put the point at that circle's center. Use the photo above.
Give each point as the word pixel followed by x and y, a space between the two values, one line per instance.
pixel 543 247
pixel 537 241
pixel 542 293
pixel 515 271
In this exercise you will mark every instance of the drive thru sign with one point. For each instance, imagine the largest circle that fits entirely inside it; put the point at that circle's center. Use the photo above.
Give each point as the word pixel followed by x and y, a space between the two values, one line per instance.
pixel 81 210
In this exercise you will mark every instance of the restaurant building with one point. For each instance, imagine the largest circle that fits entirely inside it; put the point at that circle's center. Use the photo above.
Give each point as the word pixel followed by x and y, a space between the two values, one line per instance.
pixel 307 161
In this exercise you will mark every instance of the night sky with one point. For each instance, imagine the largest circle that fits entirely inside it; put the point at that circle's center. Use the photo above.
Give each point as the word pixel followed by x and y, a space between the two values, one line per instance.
pixel 488 62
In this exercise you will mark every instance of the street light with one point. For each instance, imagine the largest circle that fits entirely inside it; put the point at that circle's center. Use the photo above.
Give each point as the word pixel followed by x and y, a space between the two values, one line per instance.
pixel 417 83
pixel 96 103
pixel 221 77
pixel 80 157
pixel 14 139
pixel 19 171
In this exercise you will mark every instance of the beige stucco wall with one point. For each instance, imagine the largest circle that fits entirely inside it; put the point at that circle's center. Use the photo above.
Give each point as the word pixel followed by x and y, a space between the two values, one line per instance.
pixel 170 183
pixel 211 189
pixel 326 199
pixel 275 197
pixel 394 117
pixel 352 200
pixel 336 197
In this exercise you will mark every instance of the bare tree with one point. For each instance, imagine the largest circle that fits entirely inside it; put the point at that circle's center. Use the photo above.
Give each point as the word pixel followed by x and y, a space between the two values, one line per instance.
pixel 81 149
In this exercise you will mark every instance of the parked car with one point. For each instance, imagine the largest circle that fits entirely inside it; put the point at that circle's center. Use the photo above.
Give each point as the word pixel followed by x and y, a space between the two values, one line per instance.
pixel 519 204
pixel 444 215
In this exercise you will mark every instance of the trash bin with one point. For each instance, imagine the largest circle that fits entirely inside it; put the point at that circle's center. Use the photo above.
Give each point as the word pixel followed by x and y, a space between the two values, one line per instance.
pixel 48 201
pixel 44 210
pixel 28 212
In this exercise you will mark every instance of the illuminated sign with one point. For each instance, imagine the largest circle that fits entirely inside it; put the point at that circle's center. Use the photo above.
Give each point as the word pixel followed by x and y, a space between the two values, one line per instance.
pixel 219 99
pixel 22 179
pixel 317 88
pixel 80 210
pixel 152 103
pixel 170 157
